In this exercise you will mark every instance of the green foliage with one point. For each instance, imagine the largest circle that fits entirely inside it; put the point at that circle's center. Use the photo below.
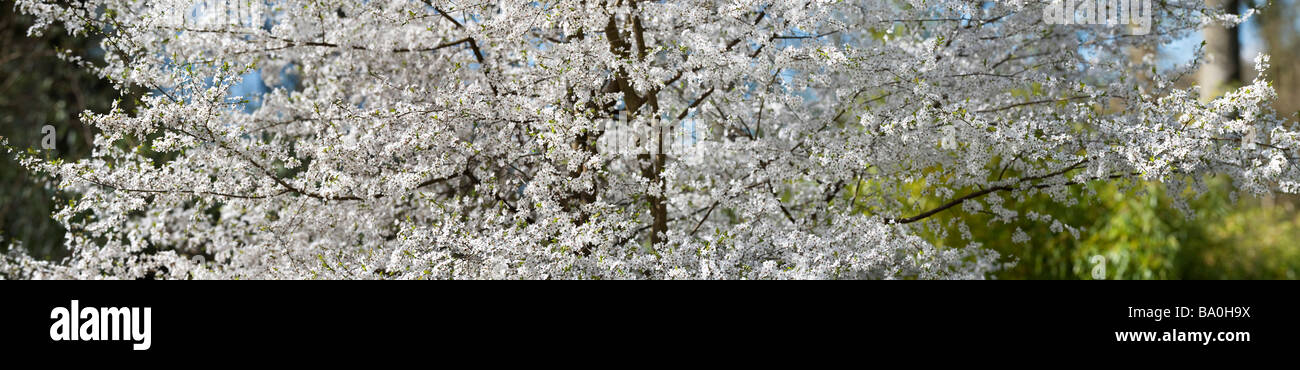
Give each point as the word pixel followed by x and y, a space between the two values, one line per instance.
pixel 1139 233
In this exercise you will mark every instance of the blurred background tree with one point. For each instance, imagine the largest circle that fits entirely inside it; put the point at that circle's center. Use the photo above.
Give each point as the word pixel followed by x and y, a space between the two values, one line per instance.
pixel 38 89
pixel 1279 33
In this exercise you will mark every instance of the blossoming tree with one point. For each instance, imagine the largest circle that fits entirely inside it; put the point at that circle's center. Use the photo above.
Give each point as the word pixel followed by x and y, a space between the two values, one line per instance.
pixel 618 139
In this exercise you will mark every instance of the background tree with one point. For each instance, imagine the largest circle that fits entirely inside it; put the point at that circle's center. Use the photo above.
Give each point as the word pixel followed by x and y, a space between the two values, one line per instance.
pixel 39 89
pixel 1279 29
pixel 1222 69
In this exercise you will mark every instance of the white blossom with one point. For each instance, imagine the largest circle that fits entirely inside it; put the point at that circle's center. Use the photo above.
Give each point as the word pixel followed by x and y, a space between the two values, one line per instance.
pixel 475 139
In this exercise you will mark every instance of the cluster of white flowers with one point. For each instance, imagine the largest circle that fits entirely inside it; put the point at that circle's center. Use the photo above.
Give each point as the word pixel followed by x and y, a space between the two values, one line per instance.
pixel 458 139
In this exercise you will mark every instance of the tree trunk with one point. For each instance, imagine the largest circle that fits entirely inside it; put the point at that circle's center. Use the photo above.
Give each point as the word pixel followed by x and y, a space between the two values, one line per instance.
pixel 1223 48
